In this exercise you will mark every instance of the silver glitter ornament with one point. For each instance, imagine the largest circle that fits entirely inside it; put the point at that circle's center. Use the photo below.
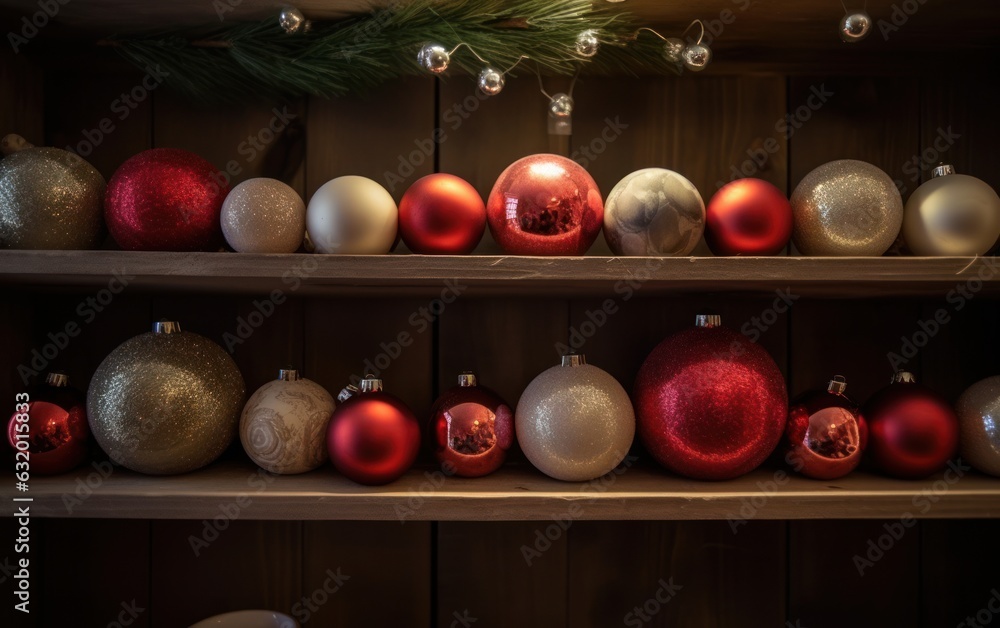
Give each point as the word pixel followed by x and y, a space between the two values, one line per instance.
pixel 292 21
pixel 575 422
pixel 434 58
pixel 854 27
pixel 491 81
pixel 696 57
pixel 978 411
pixel 587 43
pixel 263 216
pixel 165 402
pixel 50 199
pixel 655 212
pixel 561 106
pixel 952 214
pixel 673 48
pixel 846 208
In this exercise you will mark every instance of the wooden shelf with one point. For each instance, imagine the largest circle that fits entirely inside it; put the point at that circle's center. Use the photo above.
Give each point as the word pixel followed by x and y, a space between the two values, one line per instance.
pixel 399 275
pixel 514 493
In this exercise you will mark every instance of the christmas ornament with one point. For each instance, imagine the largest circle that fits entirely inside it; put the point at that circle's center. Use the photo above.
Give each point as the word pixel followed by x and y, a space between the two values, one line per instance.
pixel 545 205
pixel 561 105
pixel 352 215
pixel 587 43
pixel 373 437
pixel 748 217
pixel 952 214
pixel 825 436
pixel 166 199
pixel 434 58
pixel 471 429
pixel 283 427
pixel 442 214
pixel 292 21
pixel 846 208
pixel 575 422
pixel 52 429
pixel 854 27
pixel 490 81
pixel 263 216
pixel 165 402
pixel 913 431
pixel 710 404
pixel 696 56
pixel 978 412
pixel 673 48
pixel 49 199
pixel 655 212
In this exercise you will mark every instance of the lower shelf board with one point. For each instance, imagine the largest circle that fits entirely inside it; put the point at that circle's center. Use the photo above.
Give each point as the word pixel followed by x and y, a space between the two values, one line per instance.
pixel 234 489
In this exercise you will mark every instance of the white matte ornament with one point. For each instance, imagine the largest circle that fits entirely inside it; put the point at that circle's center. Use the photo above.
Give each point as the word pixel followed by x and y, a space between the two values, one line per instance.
pixel 263 216
pixel 952 214
pixel 491 81
pixel 978 411
pixel 352 215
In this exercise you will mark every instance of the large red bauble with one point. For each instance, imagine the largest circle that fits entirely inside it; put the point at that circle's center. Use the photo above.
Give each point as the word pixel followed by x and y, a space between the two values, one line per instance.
pixel 825 436
pixel 913 431
pixel 545 205
pixel 710 404
pixel 373 438
pixel 748 217
pixel 58 434
pixel 471 429
pixel 442 214
pixel 166 199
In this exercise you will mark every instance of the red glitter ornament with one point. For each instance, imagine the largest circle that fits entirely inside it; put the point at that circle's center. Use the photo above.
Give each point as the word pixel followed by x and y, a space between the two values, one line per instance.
pixel 373 437
pixel 748 217
pixel 471 429
pixel 166 199
pixel 825 436
pixel 545 205
pixel 442 214
pixel 58 435
pixel 710 404
pixel 914 432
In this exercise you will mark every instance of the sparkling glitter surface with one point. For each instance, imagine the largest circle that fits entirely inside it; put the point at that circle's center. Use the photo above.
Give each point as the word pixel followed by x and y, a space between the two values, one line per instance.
pixel 846 207
pixel 825 437
pixel 50 199
pixel 575 423
pixel 166 199
pixel 373 438
pixel 545 205
pixel 283 427
pixel 471 430
pixel 165 403
pixel 710 404
pixel 979 422
pixel 654 211
pixel 263 216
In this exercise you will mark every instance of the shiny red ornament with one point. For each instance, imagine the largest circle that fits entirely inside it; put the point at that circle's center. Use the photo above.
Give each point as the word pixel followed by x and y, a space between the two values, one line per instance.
pixel 913 431
pixel 373 437
pixel 748 217
pixel 710 404
pixel 471 429
pixel 58 435
pixel 442 214
pixel 545 205
pixel 825 437
pixel 166 199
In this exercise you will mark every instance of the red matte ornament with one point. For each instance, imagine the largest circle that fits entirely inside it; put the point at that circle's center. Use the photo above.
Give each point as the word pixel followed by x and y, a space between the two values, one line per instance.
pixel 471 429
pixel 442 214
pixel 825 437
pixel 748 217
pixel 545 205
pixel 913 430
pixel 58 434
pixel 710 404
pixel 373 437
pixel 166 199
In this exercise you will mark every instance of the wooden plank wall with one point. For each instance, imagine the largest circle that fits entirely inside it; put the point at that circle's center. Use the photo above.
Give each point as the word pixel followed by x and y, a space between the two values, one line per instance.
pixel 595 573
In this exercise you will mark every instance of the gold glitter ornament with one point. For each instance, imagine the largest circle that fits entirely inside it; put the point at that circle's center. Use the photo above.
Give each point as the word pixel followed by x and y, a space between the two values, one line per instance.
pixel 263 216
pixel 846 208
pixel 165 402
pixel 49 198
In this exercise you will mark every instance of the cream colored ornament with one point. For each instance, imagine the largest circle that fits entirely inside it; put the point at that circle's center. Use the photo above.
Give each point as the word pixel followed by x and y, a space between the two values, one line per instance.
pixel 952 214
pixel 263 216
pixel 352 215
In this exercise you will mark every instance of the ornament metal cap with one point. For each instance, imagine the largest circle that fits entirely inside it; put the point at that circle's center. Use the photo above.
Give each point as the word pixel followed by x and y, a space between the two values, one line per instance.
pixel 57 379
pixel 371 384
pixel 166 327
pixel 942 170
pixel 288 375
pixel 837 385
pixel 574 359
pixel 468 378
pixel 903 377
pixel 708 320
pixel 347 392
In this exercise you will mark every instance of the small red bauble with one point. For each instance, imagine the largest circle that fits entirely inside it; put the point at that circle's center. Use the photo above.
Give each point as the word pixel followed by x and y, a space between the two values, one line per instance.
pixel 825 436
pixel 545 205
pixel 710 404
pixel 914 432
pixel 442 214
pixel 58 435
pixel 166 199
pixel 373 437
pixel 471 429
pixel 748 217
